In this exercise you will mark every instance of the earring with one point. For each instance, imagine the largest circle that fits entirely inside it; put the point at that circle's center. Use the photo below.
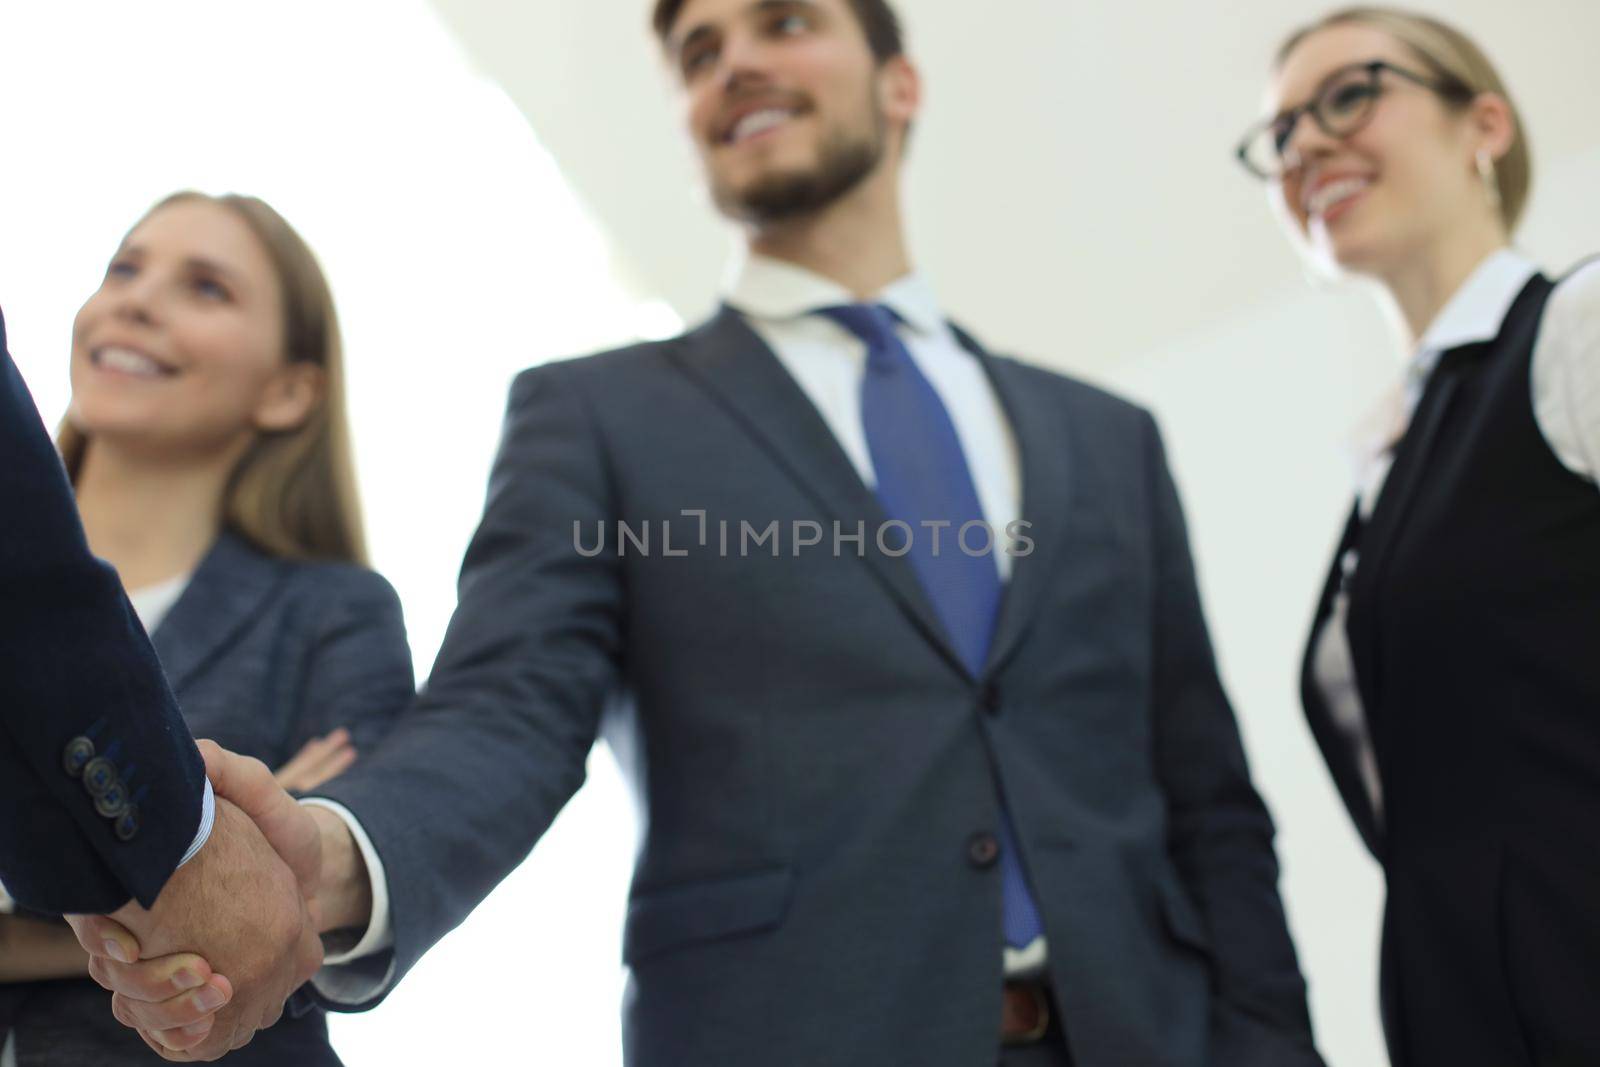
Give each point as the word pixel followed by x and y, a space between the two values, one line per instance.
pixel 1491 180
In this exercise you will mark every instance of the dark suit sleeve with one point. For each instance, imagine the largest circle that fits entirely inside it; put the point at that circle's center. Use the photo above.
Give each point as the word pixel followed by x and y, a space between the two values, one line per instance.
pixel 359 673
pixel 498 739
pixel 1221 837
pixel 74 661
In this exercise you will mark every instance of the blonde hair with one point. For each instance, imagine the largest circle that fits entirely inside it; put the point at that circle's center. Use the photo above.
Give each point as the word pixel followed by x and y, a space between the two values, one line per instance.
pixel 1456 59
pixel 293 493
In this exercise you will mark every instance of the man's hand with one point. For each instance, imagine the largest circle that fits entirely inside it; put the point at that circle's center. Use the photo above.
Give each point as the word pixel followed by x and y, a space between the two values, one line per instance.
pixel 244 904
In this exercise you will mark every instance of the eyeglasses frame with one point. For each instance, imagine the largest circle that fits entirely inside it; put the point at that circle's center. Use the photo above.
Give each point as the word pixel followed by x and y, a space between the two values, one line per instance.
pixel 1445 86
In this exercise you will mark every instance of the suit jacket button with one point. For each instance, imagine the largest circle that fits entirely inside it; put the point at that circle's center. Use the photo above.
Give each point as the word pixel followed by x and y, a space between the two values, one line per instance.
pixel 76 756
pixel 127 823
pixel 98 776
pixel 113 802
pixel 983 850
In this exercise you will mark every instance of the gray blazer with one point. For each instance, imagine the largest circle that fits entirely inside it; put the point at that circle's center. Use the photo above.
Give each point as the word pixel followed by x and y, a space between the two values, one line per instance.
pixel 817 773
pixel 263 654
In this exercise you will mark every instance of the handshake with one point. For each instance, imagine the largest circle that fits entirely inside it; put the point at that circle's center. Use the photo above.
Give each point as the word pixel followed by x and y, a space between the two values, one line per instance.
pixel 237 929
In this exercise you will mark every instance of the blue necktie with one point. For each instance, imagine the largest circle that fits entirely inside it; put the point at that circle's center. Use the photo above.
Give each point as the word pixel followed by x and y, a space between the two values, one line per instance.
pixel 923 477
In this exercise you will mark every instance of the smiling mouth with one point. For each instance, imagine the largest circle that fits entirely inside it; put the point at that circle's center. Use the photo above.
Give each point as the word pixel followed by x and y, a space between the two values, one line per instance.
pixel 759 123
pixel 129 362
pixel 1330 197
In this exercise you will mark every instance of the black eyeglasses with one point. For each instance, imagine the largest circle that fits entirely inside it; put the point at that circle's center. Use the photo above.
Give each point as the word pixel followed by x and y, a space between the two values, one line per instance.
pixel 1341 106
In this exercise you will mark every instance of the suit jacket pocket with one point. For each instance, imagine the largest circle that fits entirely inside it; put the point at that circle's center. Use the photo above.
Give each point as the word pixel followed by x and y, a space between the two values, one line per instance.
pixel 699 912
pixel 1183 920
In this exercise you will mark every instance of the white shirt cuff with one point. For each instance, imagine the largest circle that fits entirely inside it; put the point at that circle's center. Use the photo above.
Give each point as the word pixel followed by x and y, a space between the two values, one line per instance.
pixel 7 905
pixel 380 929
pixel 208 819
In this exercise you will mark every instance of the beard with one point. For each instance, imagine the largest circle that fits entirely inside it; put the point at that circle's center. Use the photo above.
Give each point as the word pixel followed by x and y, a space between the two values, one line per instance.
pixel 844 161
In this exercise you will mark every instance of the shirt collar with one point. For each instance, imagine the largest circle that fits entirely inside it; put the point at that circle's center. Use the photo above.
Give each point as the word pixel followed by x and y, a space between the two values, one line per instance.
pixel 1477 310
pixel 771 289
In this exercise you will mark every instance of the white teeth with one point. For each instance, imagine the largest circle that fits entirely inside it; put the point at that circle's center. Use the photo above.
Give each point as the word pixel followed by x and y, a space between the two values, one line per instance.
pixel 127 361
pixel 1328 195
pixel 760 122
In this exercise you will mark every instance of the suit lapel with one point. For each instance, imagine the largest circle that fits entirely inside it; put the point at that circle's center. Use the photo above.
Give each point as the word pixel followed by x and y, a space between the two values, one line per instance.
pixel 1044 458
pixel 222 598
pixel 733 364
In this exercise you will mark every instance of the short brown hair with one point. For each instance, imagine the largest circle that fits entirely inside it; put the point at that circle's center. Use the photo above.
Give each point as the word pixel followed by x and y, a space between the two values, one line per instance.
pixel 885 36
pixel 293 494
pixel 1456 59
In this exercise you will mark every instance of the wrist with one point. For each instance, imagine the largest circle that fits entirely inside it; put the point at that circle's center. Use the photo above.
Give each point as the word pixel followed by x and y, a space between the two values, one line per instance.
pixel 345 896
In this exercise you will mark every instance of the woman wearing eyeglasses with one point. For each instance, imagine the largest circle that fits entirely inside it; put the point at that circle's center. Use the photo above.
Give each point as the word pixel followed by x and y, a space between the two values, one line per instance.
pixel 208 450
pixel 1452 678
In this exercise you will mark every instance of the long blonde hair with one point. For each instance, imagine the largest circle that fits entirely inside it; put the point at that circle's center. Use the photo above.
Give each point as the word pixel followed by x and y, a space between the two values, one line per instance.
pixel 293 494
pixel 1453 57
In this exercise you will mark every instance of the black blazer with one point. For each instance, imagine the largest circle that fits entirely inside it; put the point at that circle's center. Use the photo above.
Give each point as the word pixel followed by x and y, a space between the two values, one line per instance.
pixel 1475 631
pixel 264 654
pixel 74 663
pixel 818 774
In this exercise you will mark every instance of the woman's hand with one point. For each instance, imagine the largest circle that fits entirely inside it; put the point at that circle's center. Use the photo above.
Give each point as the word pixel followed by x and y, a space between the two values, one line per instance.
pixel 322 759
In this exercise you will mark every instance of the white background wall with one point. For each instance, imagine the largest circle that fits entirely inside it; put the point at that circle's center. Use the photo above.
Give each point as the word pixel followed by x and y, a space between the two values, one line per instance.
pixel 1072 197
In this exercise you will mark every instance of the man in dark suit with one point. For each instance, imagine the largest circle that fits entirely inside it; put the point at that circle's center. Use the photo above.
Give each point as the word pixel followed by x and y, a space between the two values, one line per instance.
pixel 105 793
pixel 905 800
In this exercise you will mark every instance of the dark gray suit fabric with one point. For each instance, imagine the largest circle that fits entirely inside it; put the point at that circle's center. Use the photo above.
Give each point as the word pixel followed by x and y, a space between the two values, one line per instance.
pixel 74 661
pixel 810 758
pixel 264 654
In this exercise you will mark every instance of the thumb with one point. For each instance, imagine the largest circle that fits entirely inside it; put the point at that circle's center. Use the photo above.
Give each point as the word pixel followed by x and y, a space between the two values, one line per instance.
pixel 103 936
pixel 288 827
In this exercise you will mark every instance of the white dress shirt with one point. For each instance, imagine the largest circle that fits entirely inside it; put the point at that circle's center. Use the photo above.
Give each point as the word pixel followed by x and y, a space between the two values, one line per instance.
pixel 1566 400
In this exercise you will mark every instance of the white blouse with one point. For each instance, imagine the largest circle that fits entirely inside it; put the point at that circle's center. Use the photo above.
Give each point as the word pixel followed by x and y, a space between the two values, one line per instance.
pixel 1566 400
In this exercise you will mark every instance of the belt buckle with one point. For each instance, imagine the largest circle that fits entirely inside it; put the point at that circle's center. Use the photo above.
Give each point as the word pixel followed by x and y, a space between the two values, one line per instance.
pixel 1013 1038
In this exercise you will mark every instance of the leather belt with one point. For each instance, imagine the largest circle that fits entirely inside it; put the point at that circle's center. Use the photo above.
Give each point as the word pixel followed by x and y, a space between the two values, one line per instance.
pixel 1025 1016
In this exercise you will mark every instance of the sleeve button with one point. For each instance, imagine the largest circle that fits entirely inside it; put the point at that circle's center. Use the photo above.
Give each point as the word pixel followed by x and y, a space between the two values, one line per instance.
pixel 98 776
pixel 76 756
pixel 113 802
pixel 127 823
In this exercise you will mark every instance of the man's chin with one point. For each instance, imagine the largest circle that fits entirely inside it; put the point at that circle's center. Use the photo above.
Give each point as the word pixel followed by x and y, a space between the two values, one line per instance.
pixel 774 197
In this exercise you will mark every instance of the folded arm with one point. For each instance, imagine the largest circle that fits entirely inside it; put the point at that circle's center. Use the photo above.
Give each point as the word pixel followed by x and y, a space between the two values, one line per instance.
pixel 34 950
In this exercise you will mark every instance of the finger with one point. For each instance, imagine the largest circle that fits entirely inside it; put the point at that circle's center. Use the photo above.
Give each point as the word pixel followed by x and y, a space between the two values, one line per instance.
pixel 330 767
pixel 104 937
pixel 305 774
pixel 162 1051
pixel 201 1043
pixel 308 958
pixel 190 1009
pixel 312 753
pixel 152 981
